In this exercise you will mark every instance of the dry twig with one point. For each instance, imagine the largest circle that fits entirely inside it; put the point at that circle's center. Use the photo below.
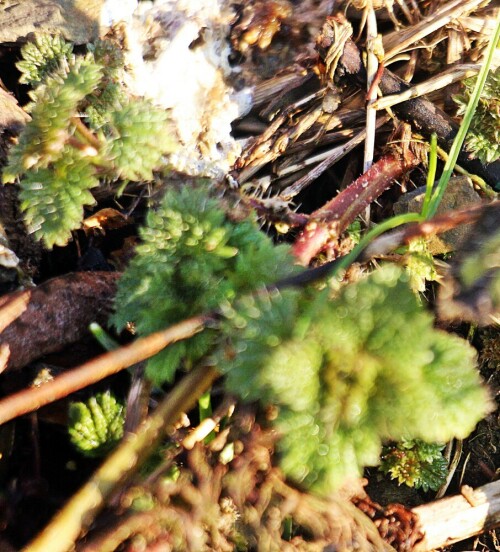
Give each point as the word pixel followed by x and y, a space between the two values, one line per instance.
pixel 97 369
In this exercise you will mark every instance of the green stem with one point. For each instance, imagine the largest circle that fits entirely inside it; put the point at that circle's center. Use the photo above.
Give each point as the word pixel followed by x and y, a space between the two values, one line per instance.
pixel 464 127
pixel 477 180
pixel 389 224
pixel 205 406
pixel 104 339
pixel 431 175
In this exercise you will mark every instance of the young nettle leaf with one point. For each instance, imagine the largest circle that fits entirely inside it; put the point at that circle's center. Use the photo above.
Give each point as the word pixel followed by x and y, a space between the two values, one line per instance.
pixel 44 137
pixel 42 57
pixel 111 92
pixel 52 199
pixel 191 260
pixel 136 138
pixel 96 426
pixel 350 373
pixel 101 102
pixel 57 159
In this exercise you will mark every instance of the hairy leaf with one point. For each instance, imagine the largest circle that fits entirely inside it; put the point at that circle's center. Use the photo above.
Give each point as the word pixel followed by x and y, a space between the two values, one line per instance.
pixel 44 137
pixel 192 259
pixel 350 373
pixel 42 57
pixel 96 426
pixel 52 199
pixel 138 135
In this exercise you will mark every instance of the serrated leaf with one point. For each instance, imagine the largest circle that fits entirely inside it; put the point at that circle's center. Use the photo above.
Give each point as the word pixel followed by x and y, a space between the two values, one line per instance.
pixel 52 199
pixel 96 426
pixel 370 367
pixel 138 135
pixel 483 139
pixel 41 57
pixel 192 259
pixel 44 137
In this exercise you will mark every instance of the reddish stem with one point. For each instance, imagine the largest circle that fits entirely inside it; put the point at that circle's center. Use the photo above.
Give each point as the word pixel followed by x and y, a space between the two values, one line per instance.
pixel 334 217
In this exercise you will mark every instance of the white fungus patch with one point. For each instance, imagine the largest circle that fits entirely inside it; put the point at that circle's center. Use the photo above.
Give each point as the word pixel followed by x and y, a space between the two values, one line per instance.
pixel 178 58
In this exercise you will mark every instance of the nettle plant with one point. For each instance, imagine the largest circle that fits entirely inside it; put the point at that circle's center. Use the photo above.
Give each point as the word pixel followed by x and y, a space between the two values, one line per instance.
pixel 96 426
pixel 84 129
pixel 345 372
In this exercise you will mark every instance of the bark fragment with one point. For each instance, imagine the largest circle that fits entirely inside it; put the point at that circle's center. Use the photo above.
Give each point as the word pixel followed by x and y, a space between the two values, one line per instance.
pixel 44 319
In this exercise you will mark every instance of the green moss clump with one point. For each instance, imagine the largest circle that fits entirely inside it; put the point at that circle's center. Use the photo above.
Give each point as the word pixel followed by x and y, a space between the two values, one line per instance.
pixel 415 464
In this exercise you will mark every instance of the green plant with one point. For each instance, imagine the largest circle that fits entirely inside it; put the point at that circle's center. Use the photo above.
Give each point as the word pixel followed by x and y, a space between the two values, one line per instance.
pixel 192 259
pixel 41 57
pixel 469 112
pixel 420 265
pixel 58 159
pixel 483 139
pixel 415 463
pixel 96 426
pixel 350 373
pixel 346 374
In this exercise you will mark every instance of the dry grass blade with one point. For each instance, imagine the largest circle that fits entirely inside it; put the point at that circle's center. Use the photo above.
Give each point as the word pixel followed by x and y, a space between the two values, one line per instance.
pixel 447 77
pixel 274 146
pixel 402 40
pixel 329 158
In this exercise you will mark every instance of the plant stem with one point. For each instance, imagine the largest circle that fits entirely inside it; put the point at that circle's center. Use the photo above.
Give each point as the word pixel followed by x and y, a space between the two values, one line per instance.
pixel 388 224
pixel 431 174
pixel 477 180
pixel 335 216
pixel 86 134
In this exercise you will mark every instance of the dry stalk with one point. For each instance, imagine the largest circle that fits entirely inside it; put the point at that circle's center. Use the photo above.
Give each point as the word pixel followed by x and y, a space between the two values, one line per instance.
pixel 328 222
pixel 447 77
pixel 459 517
pixel 97 369
pixel 332 157
pixel 405 39
pixel 372 63
pixel 421 113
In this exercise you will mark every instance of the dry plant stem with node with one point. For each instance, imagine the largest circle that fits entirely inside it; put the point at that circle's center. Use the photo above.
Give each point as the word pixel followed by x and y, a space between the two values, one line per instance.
pixel 292 351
